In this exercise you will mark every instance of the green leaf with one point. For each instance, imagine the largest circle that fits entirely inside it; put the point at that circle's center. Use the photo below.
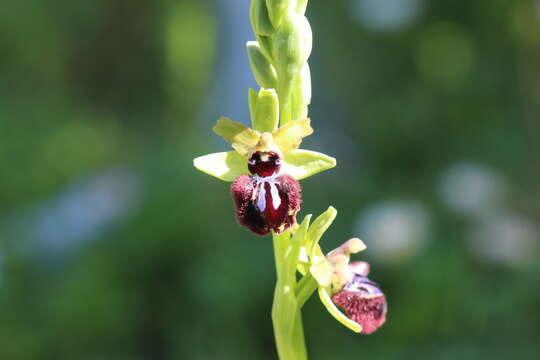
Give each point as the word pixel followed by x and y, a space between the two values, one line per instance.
pixel 301 164
pixel 334 311
pixel 267 111
pixel 264 72
pixel 241 138
pixel 226 166
pixel 289 136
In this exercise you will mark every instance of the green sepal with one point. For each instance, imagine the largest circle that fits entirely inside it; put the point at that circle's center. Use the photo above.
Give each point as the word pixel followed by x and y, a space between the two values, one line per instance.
pixel 241 138
pixel 301 164
pixel 334 311
pixel 260 20
pixel 277 10
pixel 317 229
pixel 226 166
pixel 266 117
pixel 264 72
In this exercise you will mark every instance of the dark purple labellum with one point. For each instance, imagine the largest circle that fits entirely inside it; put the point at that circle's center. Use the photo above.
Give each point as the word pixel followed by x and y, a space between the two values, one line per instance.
pixel 264 163
pixel 364 303
pixel 266 203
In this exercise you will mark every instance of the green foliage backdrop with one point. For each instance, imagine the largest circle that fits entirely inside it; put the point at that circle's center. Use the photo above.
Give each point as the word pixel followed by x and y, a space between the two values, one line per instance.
pixel 113 247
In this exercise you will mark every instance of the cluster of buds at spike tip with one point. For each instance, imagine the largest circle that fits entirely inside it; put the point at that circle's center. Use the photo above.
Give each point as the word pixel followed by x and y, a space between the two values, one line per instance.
pixel 361 298
pixel 279 56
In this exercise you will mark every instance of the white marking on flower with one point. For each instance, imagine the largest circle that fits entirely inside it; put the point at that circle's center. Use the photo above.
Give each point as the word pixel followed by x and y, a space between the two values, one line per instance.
pixel 274 193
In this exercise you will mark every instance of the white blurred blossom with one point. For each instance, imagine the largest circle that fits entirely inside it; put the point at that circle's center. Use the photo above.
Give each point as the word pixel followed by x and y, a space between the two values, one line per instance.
pixel 386 14
pixel 507 239
pixel 472 189
pixel 394 231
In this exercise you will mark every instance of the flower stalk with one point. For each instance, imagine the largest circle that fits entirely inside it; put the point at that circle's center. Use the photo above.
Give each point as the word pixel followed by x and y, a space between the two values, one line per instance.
pixel 265 169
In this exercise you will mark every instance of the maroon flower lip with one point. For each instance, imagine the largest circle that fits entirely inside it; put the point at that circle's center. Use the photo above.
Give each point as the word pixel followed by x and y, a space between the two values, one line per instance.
pixel 266 200
pixel 364 303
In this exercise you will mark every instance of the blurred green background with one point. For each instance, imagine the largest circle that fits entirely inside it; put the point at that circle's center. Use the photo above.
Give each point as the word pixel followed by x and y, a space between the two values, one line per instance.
pixel 112 246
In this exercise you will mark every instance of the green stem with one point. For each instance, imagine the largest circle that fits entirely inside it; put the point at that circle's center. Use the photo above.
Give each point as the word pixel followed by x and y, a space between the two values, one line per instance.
pixel 286 315
pixel 305 288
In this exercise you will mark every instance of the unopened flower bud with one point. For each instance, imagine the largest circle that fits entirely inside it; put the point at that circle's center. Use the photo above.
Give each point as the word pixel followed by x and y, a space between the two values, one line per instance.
pixel 266 114
pixel 260 20
pixel 291 48
pixel 264 72
pixel 278 9
pixel 301 93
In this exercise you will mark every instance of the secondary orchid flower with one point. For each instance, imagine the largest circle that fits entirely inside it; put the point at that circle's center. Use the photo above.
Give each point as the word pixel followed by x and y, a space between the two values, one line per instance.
pixel 265 165
pixel 341 282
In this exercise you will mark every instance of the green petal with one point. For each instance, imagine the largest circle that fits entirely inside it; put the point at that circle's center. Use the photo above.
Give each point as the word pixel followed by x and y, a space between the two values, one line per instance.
pixel 242 138
pixel 301 164
pixel 226 166
pixel 334 311
pixel 289 136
